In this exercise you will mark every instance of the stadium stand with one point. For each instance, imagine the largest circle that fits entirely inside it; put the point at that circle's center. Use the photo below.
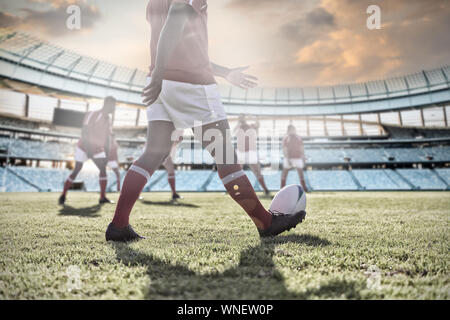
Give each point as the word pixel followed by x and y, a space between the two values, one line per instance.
pixel 444 174
pixel 368 155
pixel 376 179
pixel 46 179
pixel 331 180
pixel 9 182
pixel 37 149
pixel 424 179
pixel 390 134
pixel 24 179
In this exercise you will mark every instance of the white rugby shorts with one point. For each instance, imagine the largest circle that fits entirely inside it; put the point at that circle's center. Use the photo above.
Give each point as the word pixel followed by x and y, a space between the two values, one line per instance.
pixel 293 163
pixel 187 105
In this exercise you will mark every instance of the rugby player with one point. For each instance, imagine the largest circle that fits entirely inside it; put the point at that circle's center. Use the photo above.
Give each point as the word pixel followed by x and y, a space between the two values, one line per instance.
pixel 93 144
pixel 182 93
pixel 294 156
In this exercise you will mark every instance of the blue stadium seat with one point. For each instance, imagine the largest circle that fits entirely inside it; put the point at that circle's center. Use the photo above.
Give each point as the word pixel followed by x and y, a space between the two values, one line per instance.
pixel 37 149
pixel 324 155
pixel 379 179
pixel 399 180
pixel 46 179
pixel 405 154
pixel 444 173
pixel 366 155
pixel 24 179
pixel 11 183
pixel 215 184
pixel 424 179
pixel 331 180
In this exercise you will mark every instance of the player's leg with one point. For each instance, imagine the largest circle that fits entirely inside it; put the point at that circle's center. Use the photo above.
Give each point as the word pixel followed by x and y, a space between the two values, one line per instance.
pixel 233 177
pixel 302 179
pixel 102 178
pixel 157 149
pixel 256 169
pixel 284 175
pixel 117 173
pixel 70 179
pixel 170 167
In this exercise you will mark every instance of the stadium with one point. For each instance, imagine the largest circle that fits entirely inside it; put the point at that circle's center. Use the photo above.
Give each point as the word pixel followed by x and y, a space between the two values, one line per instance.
pixel 389 134
pixel 373 149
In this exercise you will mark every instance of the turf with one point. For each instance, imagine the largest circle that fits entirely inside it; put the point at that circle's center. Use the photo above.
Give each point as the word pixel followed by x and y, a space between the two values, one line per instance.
pixel 351 246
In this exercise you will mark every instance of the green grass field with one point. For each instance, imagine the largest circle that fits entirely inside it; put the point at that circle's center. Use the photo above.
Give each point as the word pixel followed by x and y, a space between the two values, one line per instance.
pixel 351 246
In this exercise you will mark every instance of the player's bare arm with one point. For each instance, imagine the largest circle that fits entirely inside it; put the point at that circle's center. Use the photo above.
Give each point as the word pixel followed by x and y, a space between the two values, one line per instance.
pixel 235 76
pixel 179 13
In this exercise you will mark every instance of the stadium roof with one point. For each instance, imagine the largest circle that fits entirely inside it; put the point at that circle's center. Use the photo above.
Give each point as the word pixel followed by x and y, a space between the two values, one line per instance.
pixel 26 58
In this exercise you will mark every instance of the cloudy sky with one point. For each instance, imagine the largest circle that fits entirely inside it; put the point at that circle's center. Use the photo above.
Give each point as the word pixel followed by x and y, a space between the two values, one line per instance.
pixel 285 42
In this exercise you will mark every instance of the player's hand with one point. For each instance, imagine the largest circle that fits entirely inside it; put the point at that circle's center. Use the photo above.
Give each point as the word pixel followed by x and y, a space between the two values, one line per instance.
pixel 151 91
pixel 238 78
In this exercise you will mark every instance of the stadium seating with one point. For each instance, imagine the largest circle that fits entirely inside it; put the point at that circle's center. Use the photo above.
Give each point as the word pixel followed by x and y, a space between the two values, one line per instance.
pixel 424 179
pixel 405 154
pixel 25 179
pixel 444 173
pixel 9 182
pixel 46 179
pixel 272 179
pixel 37 149
pixel 331 180
pixel 376 179
pixel 215 184
pixel 158 177
pixel 438 153
pixel 400 181
pixel 192 180
pixel 370 155
pixel 324 155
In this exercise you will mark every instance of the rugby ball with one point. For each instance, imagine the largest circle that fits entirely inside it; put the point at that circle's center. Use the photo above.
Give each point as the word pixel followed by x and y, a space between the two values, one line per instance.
pixel 289 200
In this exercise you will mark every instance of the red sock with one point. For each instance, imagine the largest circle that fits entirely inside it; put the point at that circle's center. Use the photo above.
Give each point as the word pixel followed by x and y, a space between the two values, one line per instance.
pixel 241 190
pixel 67 185
pixel 171 179
pixel 103 181
pixel 134 182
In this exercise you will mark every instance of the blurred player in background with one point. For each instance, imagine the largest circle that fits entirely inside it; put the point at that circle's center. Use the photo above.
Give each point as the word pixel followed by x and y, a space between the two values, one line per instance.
pixel 294 156
pixel 182 93
pixel 94 144
pixel 247 148
pixel 170 167
pixel 113 160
